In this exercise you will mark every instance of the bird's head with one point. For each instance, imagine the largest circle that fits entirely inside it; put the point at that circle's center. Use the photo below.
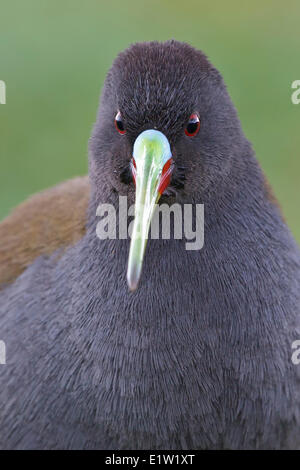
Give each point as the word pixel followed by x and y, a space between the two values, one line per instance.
pixel 166 130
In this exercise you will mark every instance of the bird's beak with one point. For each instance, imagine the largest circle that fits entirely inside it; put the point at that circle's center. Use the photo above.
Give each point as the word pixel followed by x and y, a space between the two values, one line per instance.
pixel 151 168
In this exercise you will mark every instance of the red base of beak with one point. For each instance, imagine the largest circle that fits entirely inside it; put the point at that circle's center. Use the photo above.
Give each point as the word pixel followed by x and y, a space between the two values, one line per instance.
pixel 165 176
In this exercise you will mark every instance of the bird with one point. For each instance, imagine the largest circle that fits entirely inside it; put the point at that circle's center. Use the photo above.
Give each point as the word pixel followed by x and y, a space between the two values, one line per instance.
pixel 139 343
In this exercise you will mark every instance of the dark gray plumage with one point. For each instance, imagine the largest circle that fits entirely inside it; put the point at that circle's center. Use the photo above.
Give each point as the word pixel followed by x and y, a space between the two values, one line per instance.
pixel 200 355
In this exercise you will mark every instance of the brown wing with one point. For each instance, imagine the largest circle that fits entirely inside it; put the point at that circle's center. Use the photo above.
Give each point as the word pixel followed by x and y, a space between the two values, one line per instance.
pixel 52 219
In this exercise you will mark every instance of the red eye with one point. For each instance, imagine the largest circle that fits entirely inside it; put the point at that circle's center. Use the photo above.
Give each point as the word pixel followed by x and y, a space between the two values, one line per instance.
pixel 119 123
pixel 193 125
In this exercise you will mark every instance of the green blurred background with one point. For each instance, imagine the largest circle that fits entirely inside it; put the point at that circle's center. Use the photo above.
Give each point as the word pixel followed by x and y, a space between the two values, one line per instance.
pixel 54 56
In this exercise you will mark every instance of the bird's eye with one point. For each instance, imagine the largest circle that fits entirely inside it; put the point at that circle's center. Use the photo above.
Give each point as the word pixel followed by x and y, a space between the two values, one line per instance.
pixel 193 125
pixel 119 123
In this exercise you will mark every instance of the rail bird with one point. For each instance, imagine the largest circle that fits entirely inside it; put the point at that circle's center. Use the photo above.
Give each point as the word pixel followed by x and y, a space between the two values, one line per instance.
pixel 124 343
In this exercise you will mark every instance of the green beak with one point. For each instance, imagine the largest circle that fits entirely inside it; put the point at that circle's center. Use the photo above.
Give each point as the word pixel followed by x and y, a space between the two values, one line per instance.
pixel 151 168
